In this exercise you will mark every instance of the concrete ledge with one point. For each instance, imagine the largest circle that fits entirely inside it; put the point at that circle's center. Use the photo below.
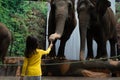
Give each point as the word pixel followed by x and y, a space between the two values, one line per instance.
pixel 61 78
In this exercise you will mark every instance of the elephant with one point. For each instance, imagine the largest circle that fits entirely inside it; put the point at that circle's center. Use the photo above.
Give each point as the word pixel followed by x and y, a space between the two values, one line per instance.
pixel 96 22
pixel 5 39
pixel 61 24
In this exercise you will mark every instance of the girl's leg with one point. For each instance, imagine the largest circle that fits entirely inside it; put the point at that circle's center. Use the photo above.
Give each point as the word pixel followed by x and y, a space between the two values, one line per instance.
pixel 29 78
pixel 37 77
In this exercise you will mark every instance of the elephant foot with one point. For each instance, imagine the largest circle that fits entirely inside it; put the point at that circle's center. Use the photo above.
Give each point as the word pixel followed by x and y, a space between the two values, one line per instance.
pixel 118 58
pixel 82 56
pixel 82 59
pixel 61 58
pixel 90 58
pixel 51 57
pixel 99 56
pixel 102 58
pixel 114 59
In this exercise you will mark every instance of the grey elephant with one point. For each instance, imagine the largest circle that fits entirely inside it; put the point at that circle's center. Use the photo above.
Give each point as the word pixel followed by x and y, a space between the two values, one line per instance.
pixel 96 22
pixel 5 39
pixel 61 24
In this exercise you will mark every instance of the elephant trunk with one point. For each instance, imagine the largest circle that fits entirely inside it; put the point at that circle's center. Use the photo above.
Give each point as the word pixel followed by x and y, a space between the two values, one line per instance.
pixel 60 23
pixel 83 33
pixel 61 15
pixel 83 26
pixel 59 29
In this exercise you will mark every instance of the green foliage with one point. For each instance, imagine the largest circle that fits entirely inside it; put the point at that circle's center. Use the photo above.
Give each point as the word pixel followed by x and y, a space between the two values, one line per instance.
pixel 23 18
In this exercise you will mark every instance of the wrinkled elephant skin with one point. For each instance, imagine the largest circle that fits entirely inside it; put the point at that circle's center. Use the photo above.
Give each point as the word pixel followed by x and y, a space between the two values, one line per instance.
pixel 96 21
pixel 61 24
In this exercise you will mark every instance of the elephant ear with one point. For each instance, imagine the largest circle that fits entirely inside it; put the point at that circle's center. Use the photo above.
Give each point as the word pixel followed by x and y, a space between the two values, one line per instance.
pixel 102 6
pixel 71 8
pixel 52 7
pixel 51 22
pixel 85 4
pixel 51 1
pixel 90 4
pixel 70 4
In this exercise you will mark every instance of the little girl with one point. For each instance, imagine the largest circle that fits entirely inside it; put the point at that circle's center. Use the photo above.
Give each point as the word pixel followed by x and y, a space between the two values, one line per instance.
pixel 32 61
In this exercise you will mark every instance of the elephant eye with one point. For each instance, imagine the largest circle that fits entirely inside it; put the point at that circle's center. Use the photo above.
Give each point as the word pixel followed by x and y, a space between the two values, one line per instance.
pixel 69 5
pixel 53 5
pixel 108 3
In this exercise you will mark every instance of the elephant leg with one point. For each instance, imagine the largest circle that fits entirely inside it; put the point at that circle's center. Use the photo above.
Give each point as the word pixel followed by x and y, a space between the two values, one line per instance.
pixel 118 51
pixel 104 50
pixel 4 52
pixel 1 54
pixel 61 49
pixel 112 48
pixel 98 52
pixel 52 53
pixel 101 50
pixel 4 48
pixel 89 46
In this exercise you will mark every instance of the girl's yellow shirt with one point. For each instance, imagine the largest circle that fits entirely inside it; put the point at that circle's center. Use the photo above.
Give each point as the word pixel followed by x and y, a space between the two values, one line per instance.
pixel 32 65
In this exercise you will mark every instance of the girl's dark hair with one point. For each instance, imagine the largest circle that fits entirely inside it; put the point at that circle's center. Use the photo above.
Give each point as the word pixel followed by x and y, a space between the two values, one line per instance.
pixel 31 45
